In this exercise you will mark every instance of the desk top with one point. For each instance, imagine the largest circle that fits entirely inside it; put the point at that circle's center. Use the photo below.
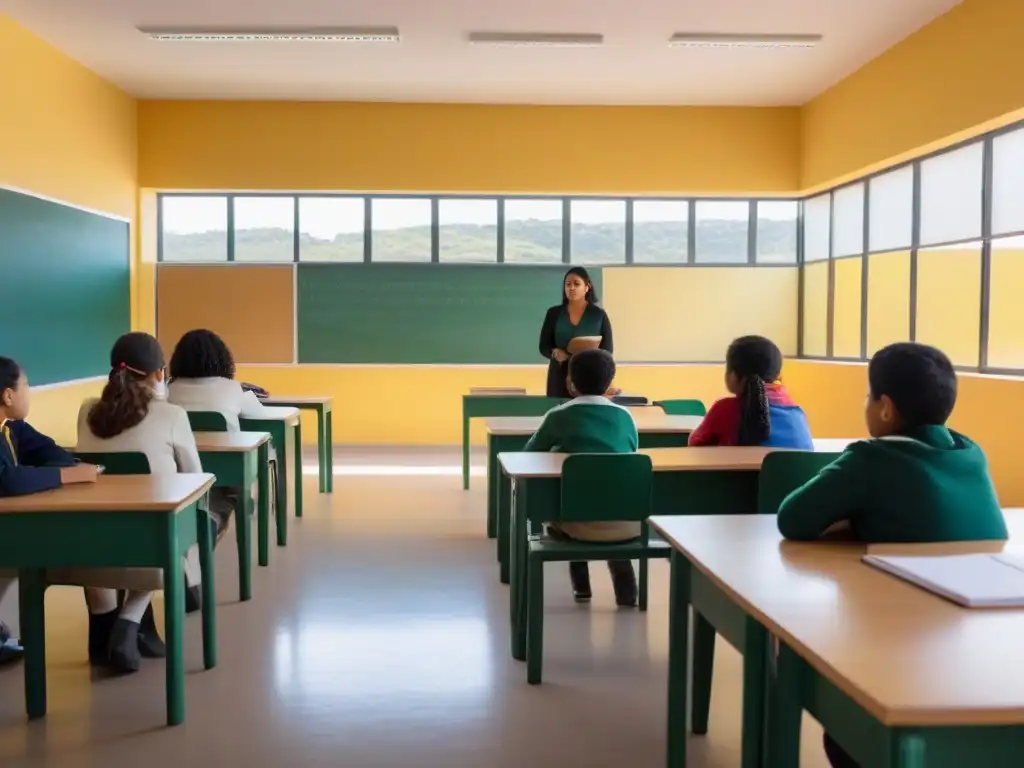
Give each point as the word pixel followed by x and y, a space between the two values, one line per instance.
pixel 115 493
pixel 230 442
pixel 298 402
pixel 289 415
pixel 907 656
pixel 737 459
pixel 647 419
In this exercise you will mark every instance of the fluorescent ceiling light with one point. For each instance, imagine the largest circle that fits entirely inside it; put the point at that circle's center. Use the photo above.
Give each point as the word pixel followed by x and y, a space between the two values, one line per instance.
pixel 716 40
pixel 303 35
pixel 570 40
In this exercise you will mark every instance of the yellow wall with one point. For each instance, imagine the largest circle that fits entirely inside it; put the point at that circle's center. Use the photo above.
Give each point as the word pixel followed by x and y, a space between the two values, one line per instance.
pixel 816 309
pixel 66 134
pixel 847 301
pixel 1006 310
pixel 466 148
pixel 949 302
pixel 888 299
pixel 955 74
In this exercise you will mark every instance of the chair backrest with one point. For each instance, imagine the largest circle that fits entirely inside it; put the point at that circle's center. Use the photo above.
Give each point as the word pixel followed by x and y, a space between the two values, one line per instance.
pixel 117 463
pixel 682 407
pixel 606 486
pixel 207 421
pixel 782 472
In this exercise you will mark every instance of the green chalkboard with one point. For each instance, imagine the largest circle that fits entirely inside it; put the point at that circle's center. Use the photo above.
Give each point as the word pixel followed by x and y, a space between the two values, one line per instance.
pixel 64 287
pixel 425 313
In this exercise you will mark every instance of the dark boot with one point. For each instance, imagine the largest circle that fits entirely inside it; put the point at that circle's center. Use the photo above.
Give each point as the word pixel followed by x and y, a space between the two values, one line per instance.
pixel 579 575
pixel 837 755
pixel 123 647
pixel 193 598
pixel 100 626
pixel 150 644
pixel 624 582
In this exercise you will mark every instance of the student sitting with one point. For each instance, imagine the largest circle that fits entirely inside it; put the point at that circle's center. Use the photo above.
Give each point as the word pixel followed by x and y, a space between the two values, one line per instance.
pixel 131 416
pixel 917 481
pixel 591 423
pixel 760 411
pixel 29 462
pixel 203 379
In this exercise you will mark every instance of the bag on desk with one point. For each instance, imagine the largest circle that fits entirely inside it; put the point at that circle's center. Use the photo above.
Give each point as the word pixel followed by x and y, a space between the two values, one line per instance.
pixel 260 392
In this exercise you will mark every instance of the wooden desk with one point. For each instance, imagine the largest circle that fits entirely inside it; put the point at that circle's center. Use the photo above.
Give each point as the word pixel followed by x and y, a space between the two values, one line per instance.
pixel 286 436
pixel 238 459
pixel 323 406
pixel 509 434
pixel 145 521
pixel 891 671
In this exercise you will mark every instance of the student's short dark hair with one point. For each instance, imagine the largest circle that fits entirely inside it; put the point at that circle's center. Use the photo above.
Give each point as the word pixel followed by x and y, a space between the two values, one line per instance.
pixel 919 380
pixel 10 374
pixel 202 354
pixel 592 371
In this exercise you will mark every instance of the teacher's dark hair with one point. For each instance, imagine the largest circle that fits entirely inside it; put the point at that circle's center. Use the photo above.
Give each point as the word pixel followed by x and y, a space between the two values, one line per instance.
pixel 581 273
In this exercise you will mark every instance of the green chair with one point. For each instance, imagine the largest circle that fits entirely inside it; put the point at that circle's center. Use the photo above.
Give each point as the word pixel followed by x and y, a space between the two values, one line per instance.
pixel 207 421
pixel 782 472
pixel 682 407
pixel 595 488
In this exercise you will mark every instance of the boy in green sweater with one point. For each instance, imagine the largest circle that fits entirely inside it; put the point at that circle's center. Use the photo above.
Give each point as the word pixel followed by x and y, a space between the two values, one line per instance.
pixel 915 481
pixel 591 423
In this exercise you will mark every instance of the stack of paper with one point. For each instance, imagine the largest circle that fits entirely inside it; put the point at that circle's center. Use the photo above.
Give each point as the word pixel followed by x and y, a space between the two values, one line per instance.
pixel 974 581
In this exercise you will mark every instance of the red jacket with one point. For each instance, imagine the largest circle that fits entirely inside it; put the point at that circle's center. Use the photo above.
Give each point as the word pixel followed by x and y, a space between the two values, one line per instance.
pixel 721 426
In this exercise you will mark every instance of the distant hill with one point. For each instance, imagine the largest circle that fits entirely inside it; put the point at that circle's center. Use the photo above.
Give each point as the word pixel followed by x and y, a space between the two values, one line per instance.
pixel 526 241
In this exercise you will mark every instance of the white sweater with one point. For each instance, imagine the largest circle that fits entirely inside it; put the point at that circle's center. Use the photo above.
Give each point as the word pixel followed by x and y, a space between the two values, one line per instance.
pixel 164 435
pixel 220 395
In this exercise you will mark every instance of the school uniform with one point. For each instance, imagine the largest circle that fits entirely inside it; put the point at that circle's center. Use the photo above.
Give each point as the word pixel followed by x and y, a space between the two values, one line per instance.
pixel 789 428
pixel 557 332
pixel 589 424
pixel 30 462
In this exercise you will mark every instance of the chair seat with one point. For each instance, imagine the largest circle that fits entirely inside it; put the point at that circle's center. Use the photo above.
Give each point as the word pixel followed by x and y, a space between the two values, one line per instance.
pixel 544 547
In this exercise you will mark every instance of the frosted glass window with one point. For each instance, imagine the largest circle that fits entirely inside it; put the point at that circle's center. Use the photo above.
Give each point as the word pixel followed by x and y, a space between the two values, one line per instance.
pixel 1008 183
pixel 817 227
pixel 891 210
pixel 951 196
pixel 848 216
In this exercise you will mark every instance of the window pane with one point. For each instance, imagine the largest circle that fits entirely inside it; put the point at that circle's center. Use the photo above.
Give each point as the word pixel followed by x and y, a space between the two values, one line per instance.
pixel 468 230
pixel 776 231
pixel 848 215
pixel 817 228
pixel 264 229
pixel 948 300
pixel 194 228
pixel 891 210
pixel 1008 183
pixel 401 229
pixel 331 228
pixel 722 229
pixel 1006 311
pixel 951 196
pixel 533 231
pixel 598 234
pixel 661 231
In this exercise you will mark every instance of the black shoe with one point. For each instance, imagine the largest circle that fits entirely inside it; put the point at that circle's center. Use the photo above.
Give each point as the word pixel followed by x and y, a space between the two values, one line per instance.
pixel 100 627
pixel 123 647
pixel 624 582
pixel 193 598
pixel 579 575
pixel 150 644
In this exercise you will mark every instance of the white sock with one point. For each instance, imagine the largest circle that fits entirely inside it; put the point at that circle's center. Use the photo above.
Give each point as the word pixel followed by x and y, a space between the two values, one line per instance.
pixel 100 600
pixel 193 573
pixel 135 605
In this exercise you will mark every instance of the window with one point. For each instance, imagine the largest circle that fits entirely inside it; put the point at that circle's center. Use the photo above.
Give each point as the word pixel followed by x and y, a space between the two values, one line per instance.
pixel 1008 183
pixel 951 196
pixel 1006 313
pixel 194 228
pixel 817 228
pixel 401 229
pixel 948 300
pixel 891 210
pixel 533 231
pixel 598 234
pixel 661 231
pixel 264 229
pixel 722 232
pixel 331 228
pixel 776 231
pixel 468 230
pixel 848 220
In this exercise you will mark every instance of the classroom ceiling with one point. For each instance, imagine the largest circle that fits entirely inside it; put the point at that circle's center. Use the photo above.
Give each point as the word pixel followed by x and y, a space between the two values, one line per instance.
pixel 433 62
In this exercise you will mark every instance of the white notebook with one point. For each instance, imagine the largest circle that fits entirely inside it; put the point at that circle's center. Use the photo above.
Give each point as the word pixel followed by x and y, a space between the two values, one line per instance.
pixel 974 581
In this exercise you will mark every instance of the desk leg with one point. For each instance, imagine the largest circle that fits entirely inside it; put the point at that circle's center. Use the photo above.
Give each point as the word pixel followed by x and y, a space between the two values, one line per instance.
pixel 174 618
pixel 703 671
pixel 911 751
pixel 263 500
pixel 205 534
pixel 465 450
pixel 492 485
pixel 298 469
pixel 329 451
pixel 517 572
pixel 504 525
pixel 281 444
pixel 755 668
pixel 787 710
pixel 321 446
pixel 31 598
pixel 678 659
pixel 243 537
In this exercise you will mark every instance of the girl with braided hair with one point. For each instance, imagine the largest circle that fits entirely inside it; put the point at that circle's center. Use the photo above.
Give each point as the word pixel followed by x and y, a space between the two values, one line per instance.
pixel 760 411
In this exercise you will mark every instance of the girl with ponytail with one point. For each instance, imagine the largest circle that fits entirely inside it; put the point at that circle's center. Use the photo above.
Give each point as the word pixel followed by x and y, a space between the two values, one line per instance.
pixel 760 411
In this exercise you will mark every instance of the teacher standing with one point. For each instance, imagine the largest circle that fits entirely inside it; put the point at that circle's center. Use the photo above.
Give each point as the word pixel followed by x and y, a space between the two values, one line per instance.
pixel 578 315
